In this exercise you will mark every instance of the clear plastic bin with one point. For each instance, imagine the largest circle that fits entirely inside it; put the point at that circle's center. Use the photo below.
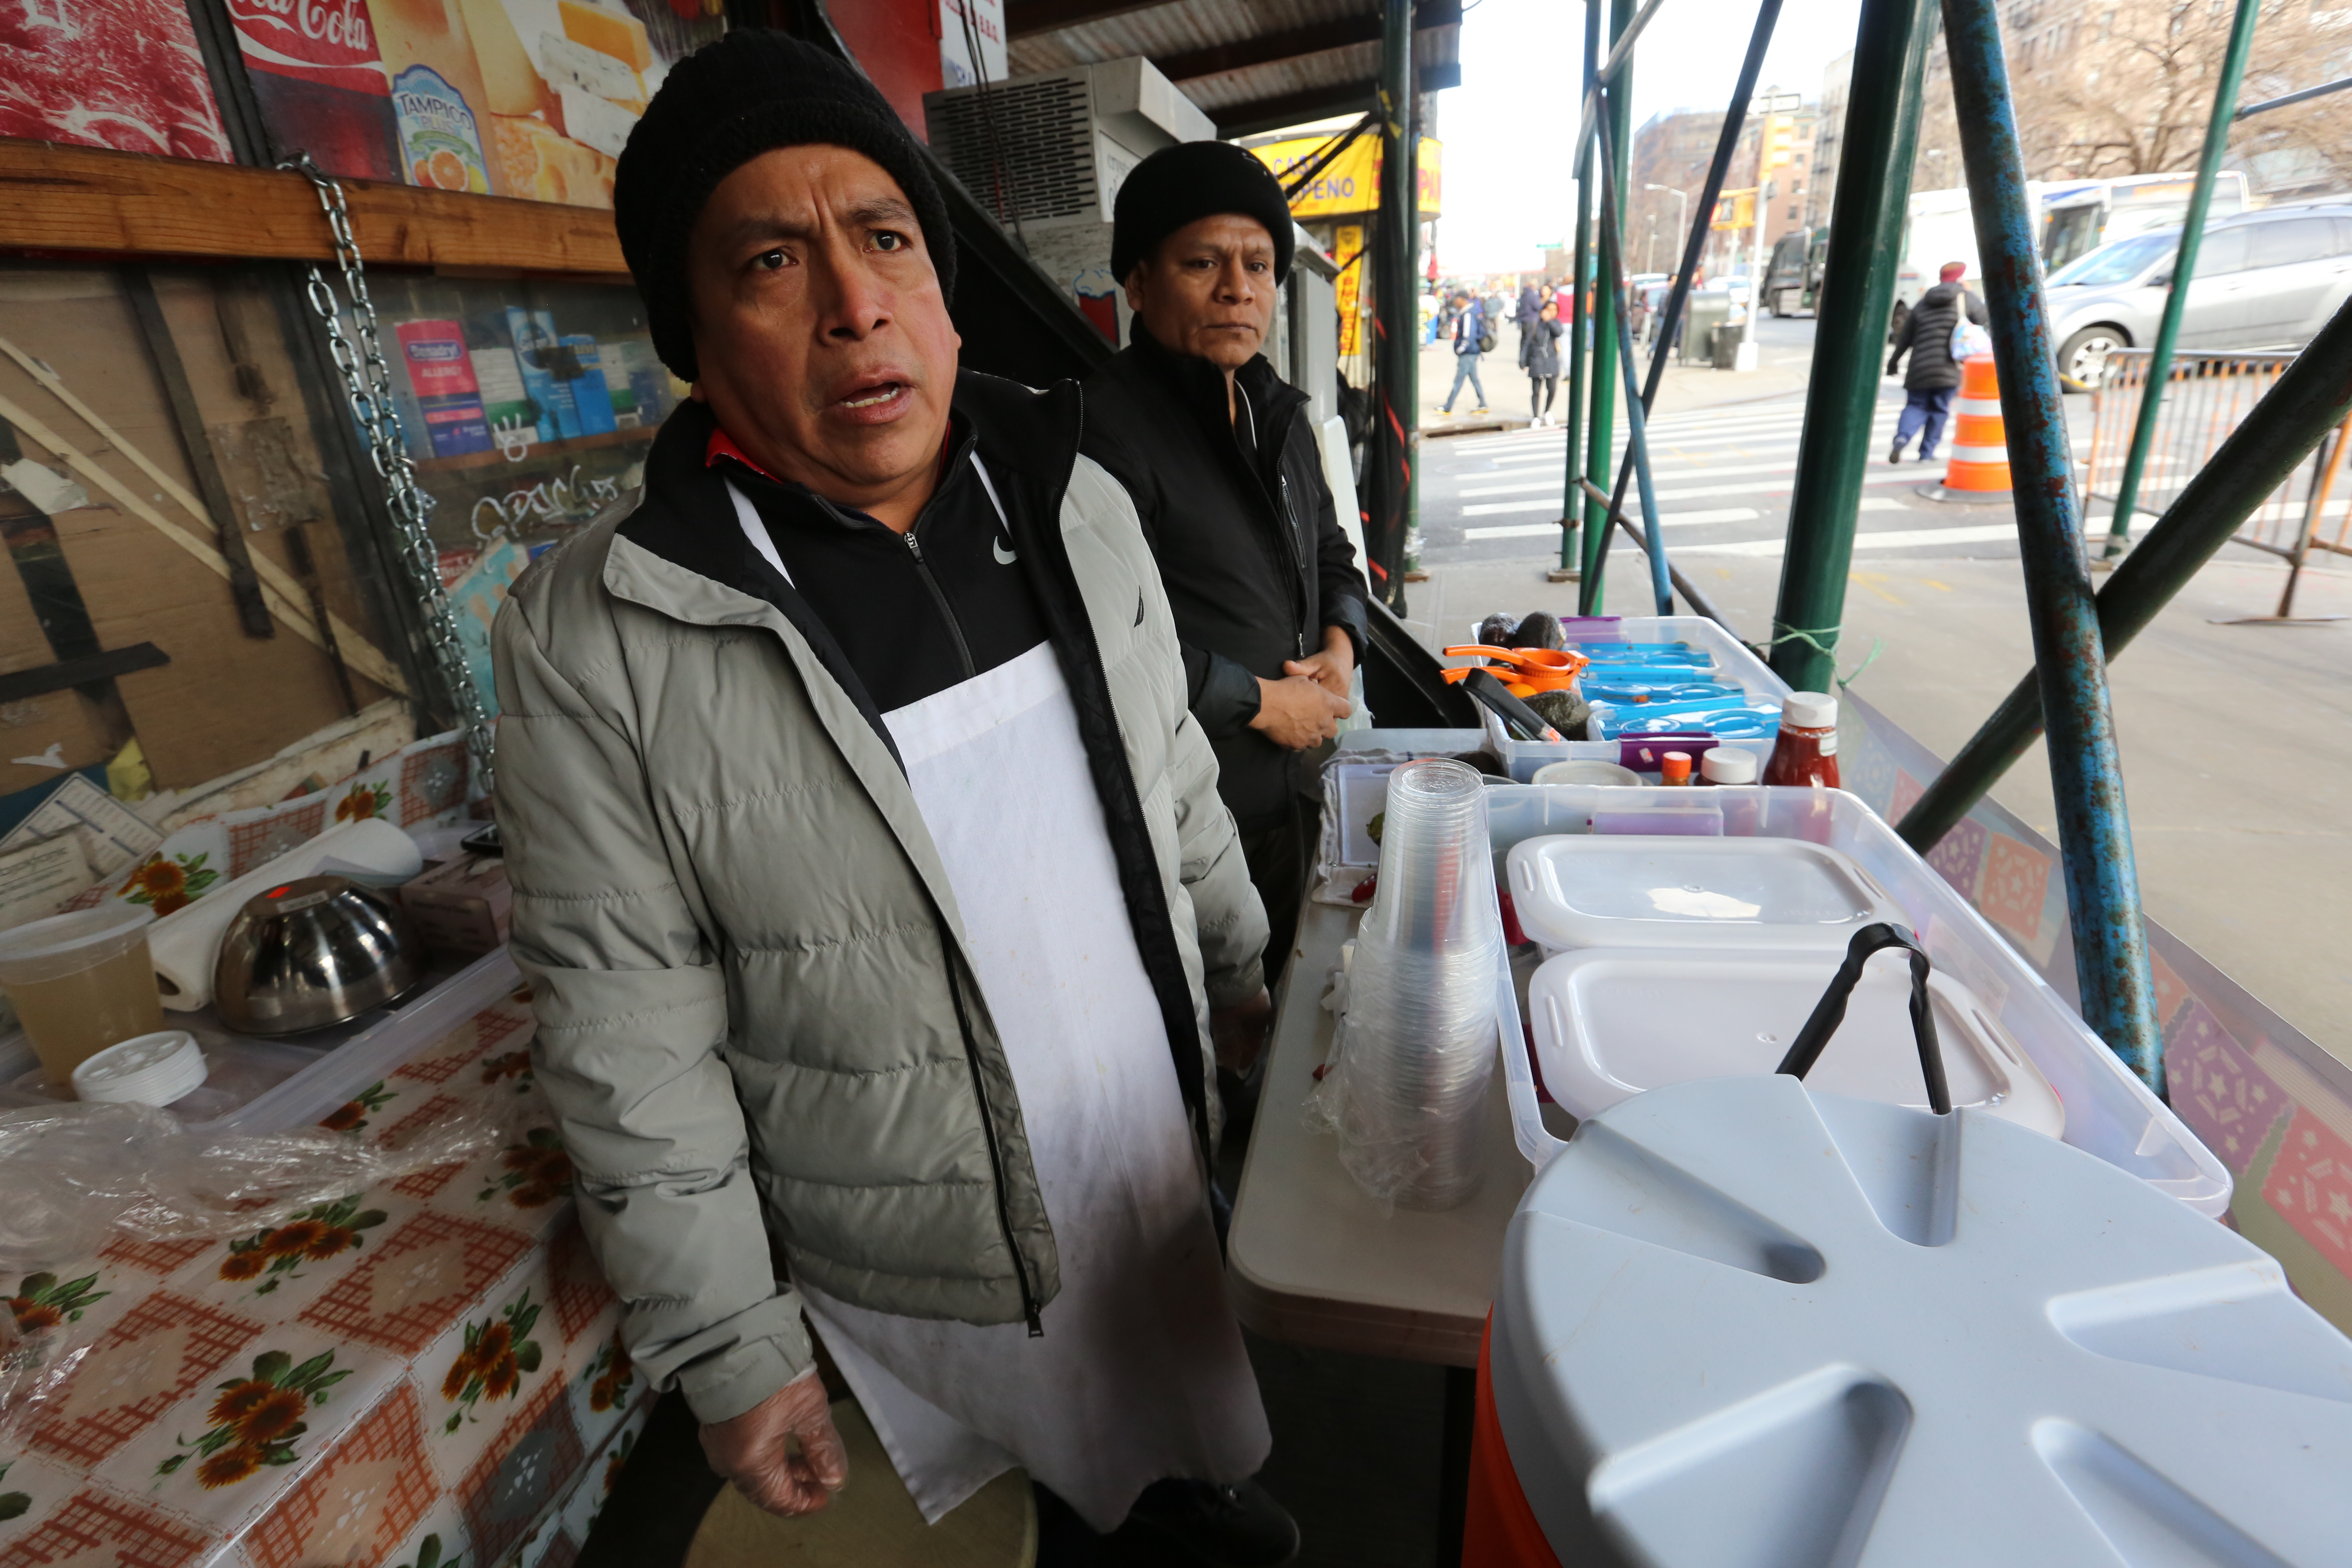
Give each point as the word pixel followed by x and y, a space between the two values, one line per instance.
pixel 2109 1111
pixel 278 1085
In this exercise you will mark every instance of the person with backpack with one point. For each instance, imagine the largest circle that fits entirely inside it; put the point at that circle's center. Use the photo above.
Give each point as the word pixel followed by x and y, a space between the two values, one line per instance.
pixel 1539 357
pixel 1935 374
pixel 1474 334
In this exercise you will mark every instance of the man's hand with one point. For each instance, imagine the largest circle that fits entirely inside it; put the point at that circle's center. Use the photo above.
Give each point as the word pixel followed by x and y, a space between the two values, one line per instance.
pixel 1297 711
pixel 1239 1032
pixel 1334 669
pixel 750 1450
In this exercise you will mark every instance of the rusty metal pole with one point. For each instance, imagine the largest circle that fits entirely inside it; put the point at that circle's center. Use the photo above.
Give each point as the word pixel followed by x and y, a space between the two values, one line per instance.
pixel 2119 998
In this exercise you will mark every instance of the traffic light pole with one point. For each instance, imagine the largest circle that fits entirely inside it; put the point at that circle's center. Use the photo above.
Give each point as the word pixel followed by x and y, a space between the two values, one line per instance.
pixel 1397 318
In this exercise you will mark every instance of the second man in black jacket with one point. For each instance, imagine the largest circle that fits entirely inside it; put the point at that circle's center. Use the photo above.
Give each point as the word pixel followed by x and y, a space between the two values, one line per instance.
pixel 1222 459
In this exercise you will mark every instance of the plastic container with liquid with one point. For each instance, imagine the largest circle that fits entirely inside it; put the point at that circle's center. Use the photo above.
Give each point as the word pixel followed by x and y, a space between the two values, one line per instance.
pixel 82 982
pixel 1806 751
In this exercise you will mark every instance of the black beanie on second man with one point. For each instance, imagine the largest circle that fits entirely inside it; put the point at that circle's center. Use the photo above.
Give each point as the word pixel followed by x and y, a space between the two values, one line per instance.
pixel 1188 182
pixel 720 108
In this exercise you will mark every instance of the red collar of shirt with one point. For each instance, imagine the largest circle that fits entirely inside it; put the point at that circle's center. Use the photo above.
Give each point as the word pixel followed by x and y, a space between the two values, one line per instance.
pixel 722 444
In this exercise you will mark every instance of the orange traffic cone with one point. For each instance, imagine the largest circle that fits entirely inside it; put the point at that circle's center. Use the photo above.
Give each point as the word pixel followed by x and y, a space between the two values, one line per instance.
pixel 1978 470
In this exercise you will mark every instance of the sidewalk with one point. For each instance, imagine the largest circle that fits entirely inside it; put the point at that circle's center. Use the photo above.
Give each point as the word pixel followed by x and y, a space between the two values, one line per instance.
pixel 1782 372
pixel 2240 824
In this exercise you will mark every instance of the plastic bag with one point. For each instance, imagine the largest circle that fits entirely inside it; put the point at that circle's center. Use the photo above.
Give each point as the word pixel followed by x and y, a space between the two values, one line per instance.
pixel 75 1173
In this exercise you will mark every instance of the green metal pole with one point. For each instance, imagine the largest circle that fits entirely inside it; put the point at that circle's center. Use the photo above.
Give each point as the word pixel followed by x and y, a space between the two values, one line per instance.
pixel 1397 318
pixel 2184 268
pixel 1873 188
pixel 1579 326
pixel 1598 453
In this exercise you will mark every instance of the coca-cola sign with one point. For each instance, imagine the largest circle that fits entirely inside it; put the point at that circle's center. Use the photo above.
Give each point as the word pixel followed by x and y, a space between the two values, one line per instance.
pixel 307 38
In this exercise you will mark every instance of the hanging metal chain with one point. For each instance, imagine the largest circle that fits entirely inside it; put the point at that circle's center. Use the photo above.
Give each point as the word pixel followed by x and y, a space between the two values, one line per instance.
pixel 367 385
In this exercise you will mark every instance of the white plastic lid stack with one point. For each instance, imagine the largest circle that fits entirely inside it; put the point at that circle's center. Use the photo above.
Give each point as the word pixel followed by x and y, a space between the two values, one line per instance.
pixel 1746 1325
pixel 146 1070
pixel 1610 1023
pixel 1809 711
pixel 1727 765
pixel 1652 891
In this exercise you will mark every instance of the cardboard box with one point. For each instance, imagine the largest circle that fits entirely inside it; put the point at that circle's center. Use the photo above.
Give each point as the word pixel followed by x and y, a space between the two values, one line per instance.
pixel 460 905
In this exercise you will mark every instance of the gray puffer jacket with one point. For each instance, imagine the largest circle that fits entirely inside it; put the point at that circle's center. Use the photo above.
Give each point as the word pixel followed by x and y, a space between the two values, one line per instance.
pixel 757 1008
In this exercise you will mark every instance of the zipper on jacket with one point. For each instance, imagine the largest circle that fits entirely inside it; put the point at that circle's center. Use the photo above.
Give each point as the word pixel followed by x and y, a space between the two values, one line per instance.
pixel 938 597
pixel 1030 1310
pixel 1290 543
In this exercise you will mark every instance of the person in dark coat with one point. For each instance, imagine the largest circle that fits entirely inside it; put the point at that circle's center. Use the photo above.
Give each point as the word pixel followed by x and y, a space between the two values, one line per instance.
pixel 1539 357
pixel 1469 330
pixel 1222 460
pixel 1530 311
pixel 1935 374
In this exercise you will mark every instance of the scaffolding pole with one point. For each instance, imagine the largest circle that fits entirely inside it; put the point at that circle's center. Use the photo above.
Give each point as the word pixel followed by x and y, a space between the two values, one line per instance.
pixel 2184 268
pixel 1606 299
pixel 2310 399
pixel 1873 187
pixel 2094 844
pixel 1580 322
pixel 1397 319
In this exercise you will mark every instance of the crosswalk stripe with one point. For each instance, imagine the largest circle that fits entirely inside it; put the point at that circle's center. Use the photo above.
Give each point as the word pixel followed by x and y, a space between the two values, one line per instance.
pixel 1667 519
pixel 1766 487
pixel 1893 539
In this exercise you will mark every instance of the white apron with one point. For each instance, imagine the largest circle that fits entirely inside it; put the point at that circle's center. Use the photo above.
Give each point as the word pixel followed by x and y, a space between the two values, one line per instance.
pixel 1141 1372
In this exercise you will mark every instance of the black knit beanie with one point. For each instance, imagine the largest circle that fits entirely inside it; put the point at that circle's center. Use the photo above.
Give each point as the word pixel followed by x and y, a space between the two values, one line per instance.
pixel 1191 181
pixel 720 108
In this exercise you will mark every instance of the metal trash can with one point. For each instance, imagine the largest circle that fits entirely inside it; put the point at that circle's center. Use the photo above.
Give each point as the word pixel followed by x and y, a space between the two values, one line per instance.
pixel 1702 313
pixel 1726 345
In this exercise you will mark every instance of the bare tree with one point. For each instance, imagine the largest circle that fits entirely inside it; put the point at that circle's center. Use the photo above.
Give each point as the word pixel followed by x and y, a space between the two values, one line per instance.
pixel 2108 88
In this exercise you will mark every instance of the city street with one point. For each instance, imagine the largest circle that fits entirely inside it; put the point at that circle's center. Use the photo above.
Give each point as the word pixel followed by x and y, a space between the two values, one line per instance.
pixel 1722 472
pixel 1935 631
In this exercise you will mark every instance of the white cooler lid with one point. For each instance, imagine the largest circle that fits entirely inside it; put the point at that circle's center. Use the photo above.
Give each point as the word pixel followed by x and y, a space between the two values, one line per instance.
pixel 1611 1022
pixel 1612 890
pixel 1744 1325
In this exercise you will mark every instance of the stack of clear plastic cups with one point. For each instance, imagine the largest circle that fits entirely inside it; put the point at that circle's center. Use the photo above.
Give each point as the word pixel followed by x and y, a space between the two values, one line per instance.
pixel 1420 1042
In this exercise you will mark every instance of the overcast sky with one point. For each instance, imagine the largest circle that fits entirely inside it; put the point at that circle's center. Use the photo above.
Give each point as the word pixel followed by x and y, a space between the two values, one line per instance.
pixel 1510 129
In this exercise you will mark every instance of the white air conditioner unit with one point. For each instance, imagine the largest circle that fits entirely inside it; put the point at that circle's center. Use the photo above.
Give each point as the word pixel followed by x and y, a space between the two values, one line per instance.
pixel 1047 155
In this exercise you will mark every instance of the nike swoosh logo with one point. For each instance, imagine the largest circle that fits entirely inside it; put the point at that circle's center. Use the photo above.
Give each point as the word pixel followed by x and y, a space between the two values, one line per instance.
pixel 1005 556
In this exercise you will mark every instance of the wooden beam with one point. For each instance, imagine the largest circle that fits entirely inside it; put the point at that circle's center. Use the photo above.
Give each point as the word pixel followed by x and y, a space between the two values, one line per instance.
pixel 19 684
pixel 59 198
pixel 1268 47
pixel 1314 103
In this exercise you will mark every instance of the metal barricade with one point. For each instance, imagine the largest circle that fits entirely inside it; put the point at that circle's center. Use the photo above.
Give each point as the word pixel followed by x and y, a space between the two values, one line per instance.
pixel 2205 397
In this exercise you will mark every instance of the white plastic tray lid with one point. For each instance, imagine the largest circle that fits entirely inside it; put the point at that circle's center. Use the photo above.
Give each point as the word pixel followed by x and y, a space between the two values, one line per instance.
pixel 1743 1324
pixel 1610 891
pixel 1612 1022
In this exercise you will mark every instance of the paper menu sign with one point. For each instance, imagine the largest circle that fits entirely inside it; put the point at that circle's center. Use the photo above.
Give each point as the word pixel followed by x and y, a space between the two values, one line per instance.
pixel 41 879
pixel 113 837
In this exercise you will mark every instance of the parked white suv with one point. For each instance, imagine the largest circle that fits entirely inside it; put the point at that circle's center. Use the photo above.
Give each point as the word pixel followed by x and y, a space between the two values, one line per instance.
pixel 2267 279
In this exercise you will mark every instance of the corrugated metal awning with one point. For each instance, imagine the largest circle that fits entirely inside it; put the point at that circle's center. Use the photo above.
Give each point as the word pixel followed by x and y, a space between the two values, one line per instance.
pixel 1251 65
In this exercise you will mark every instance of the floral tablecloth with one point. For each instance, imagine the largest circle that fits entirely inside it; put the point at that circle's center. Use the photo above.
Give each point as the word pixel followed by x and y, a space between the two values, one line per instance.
pixel 426 1375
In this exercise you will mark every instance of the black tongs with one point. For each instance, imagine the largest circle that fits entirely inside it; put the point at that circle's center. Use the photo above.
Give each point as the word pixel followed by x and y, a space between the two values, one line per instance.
pixel 1830 1011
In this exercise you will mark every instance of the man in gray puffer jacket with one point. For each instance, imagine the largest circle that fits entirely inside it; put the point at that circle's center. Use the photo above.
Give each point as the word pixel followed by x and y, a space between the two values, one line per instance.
pixel 869 873
pixel 1935 374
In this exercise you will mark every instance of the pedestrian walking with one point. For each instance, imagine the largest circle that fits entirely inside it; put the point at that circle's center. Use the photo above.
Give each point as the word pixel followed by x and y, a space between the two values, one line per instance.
pixel 1473 336
pixel 1934 374
pixel 1539 357
pixel 1530 313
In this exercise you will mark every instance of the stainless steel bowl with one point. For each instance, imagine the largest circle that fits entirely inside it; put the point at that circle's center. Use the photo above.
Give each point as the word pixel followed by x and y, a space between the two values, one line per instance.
pixel 311 952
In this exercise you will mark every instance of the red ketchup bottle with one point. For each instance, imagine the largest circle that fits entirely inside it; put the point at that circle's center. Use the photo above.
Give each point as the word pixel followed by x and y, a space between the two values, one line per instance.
pixel 1806 752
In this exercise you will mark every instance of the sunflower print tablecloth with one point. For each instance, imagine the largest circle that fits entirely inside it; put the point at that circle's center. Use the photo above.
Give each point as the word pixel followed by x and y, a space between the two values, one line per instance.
pixel 426 1375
